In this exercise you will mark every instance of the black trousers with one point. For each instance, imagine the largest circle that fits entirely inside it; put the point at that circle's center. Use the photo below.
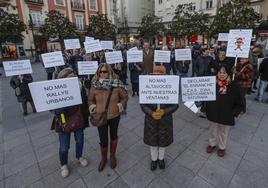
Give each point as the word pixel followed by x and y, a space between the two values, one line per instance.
pixel 243 92
pixel 135 87
pixel 24 106
pixel 103 131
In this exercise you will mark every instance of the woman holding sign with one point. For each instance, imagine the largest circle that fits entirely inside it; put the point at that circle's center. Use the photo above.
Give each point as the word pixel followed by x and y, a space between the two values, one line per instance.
pixel 67 120
pixel 107 100
pixel 222 112
pixel 158 127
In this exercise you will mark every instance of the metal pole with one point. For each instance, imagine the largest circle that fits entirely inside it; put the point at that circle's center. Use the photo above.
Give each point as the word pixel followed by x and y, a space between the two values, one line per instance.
pixel 32 28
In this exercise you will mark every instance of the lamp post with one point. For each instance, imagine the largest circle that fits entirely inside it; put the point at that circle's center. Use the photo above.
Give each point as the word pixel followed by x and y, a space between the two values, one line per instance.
pixel 31 25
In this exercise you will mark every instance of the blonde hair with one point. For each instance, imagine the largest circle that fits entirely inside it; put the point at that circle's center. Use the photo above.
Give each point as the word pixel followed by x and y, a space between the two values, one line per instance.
pixel 65 72
pixel 112 75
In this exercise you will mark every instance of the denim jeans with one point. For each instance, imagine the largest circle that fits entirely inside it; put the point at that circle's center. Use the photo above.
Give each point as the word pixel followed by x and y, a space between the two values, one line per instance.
pixel 262 86
pixel 64 139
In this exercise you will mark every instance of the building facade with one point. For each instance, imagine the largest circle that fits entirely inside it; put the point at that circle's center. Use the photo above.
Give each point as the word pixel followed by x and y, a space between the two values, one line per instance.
pixel 33 14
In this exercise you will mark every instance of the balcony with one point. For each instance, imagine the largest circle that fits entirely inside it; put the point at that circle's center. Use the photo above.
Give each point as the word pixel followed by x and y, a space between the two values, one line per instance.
pixel 78 6
pixel 35 2
pixel 36 24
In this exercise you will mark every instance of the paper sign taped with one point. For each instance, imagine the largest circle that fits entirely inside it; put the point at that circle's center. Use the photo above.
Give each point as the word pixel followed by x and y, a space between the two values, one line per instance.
pixel 92 46
pixel 54 94
pixel 106 45
pixel 87 67
pixel 134 56
pixel 183 54
pixel 52 59
pixel 198 88
pixel 114 57
pixel 71 44
pixel 19 67
pixel 162 56
pixel 159 89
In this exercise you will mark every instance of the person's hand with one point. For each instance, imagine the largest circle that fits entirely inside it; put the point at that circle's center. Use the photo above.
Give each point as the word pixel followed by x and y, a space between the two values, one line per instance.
pixel 92 109
pixel 158 114
pixel 161 112
pixel 120 107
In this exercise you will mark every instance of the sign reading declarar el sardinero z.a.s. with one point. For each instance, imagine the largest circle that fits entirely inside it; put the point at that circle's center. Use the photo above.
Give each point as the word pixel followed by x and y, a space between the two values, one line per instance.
pixel 159 89
pixel 54 94
pixel 198 88
pixel 19 67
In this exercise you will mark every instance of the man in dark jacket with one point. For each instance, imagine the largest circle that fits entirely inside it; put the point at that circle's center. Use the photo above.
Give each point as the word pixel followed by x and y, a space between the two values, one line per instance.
pixel 74 59
pixel 263 70
pixel 202 63
pixel 220 60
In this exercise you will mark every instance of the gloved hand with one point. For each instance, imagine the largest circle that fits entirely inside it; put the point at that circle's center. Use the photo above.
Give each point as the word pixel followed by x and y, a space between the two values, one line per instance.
pixel 120 107
pixel 158 114
pixel 92 109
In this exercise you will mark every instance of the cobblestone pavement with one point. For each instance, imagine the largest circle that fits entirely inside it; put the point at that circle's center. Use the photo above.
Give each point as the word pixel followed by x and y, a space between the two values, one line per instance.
pixel 29 151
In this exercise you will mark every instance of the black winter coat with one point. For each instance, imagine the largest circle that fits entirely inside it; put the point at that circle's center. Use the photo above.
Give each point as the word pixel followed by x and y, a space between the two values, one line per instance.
pixel 24 88
pixel 158 132
pixel 226 107
pixel 202 65
pixel 264 69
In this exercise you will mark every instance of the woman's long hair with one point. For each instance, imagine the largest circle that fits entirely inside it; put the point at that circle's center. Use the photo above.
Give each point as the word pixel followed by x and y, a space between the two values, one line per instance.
pixel 112 75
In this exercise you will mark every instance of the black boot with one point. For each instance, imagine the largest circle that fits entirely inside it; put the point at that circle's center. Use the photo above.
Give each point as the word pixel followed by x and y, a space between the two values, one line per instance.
pixel 153 165
pixel 161 164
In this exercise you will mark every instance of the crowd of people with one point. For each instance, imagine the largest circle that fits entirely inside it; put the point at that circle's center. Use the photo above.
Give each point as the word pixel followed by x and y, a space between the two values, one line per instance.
pixel 105 97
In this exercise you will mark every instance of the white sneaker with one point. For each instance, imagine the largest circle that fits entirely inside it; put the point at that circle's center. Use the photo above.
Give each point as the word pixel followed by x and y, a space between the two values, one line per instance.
pixel 83 162
pixel 64 171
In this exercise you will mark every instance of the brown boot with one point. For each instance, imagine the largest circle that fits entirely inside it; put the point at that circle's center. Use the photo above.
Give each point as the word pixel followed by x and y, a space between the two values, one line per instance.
pixel 112 153
pixel 104 151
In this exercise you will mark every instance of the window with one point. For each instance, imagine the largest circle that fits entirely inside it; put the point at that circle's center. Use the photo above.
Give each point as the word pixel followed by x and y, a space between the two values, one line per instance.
pixel 36 18
pixel 209 4
pixel 193 7
pixel 79 20
pixel 160 1
pixel 59 2
pixel 93 4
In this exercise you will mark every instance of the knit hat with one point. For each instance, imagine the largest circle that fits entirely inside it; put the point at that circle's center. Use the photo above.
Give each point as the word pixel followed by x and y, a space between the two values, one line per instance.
pixel 159 69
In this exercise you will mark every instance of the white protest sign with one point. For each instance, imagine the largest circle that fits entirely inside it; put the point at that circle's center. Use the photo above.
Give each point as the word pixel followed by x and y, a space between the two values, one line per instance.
pixel 89 38
pixel 134 56
pixel 198 88
pixel 134 48
pixel 114 57
pixel 239 43
pixel 223 37
pixel 162 56
pixel 191 105
pixel 183 54
pixel 53 94
pixel 92 46
pixel 71 44
pixel 159 89
pixel 52 59
pixel 87 67
pixel 106 45
pixel 17 67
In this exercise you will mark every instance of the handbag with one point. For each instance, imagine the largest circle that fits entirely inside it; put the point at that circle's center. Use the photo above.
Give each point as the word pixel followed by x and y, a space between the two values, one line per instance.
pixel 100 119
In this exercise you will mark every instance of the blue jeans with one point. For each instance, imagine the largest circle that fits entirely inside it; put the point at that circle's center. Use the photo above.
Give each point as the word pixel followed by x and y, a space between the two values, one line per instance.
pixel 64 139
pixel 261 89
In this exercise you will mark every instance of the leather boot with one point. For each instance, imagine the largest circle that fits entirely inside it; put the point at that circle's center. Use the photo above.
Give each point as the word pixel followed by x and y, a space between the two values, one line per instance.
pixel 113 146
pixel 104 151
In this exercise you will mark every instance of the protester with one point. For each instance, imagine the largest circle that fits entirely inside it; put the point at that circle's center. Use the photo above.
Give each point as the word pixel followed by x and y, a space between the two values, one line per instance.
pixel 20 85
pixel 244 75
pixel 167 65
pixel 105 83
pixel 263 70
pixel 220 60
pixel 255 55
pixel 74 59
pixel 158 127
pixel 196 51
pixel 148 59
pixel 222 112
pixel 182 68
pixel 202 63
pixel 135 70
pixel 67 120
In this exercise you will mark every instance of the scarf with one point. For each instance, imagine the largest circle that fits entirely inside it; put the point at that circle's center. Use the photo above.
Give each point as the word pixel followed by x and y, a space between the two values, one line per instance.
pixel 223 85
pixel 107 84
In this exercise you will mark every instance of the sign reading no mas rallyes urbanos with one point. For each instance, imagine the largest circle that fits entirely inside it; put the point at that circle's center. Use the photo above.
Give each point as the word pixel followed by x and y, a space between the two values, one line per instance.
pixel 53 94
pixel 198 88
pixel 17 67
pixel 52 59
pixel 159 89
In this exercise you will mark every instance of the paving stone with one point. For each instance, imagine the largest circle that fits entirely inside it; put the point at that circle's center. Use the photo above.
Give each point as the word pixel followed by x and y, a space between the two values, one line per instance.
pixel 125 160
pixel 240 136
pixel 236 148
pixel 100 179
pixel 77 184
pixel 256 156
pixel 139 149
pixel 191 160
pixel 93 163
pixel 17 152
pixel 22 139
pixel 1 158
pixel 215 174
pixel 43 141
pixel 128 139
pixel 118 183
pixel 229 161
pixel 49 165
pixel 14 134
pixel 200 146
pixel 199 182
pixel 158 183
pixel 23 178
pixel 1 172
pixel 175 149
pixel 37 184
pixel 47 151
pixel 138 176
pixel 177 175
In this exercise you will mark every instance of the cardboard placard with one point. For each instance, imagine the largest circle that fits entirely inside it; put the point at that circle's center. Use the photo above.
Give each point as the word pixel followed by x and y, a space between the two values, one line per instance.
pixel 71 44
pixel 134 56
pixel 162 56
pixel 113 57
pixel 183 54
pixel 54 94
pixel 19 67
pixel 87 67
pixel 198 89
pixel 52 59
pixel 159 89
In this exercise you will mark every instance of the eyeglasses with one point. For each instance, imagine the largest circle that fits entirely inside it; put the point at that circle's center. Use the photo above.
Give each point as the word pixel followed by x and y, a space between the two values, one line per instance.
pixel 104 72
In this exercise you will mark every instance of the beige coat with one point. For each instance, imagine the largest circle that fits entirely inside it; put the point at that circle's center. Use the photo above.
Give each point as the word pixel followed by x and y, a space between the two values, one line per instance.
pixel 147 63
pixel 99 98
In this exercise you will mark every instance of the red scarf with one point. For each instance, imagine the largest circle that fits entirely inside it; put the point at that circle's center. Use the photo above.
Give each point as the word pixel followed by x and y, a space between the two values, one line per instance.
pixel 223 85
